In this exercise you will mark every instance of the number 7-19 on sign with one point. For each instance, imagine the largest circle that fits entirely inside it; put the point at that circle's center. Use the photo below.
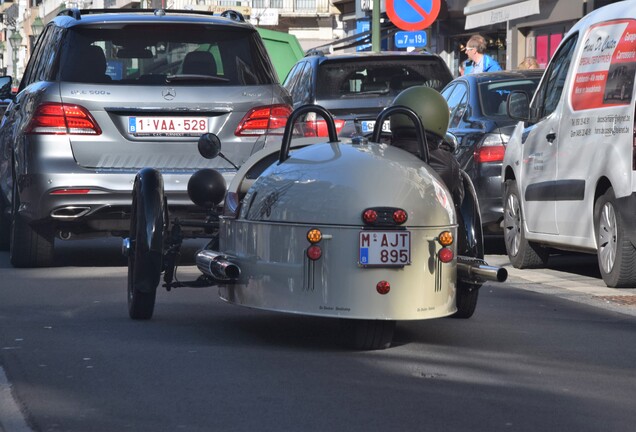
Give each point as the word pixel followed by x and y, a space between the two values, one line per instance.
pixel 404 39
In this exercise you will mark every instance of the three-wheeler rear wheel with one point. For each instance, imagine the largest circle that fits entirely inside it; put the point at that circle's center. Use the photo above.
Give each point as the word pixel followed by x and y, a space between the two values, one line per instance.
pixel 145 244
pixel 363 334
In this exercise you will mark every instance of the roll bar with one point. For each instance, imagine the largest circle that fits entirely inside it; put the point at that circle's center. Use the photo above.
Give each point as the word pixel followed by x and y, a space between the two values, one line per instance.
pixel 293 117
pixel 419 128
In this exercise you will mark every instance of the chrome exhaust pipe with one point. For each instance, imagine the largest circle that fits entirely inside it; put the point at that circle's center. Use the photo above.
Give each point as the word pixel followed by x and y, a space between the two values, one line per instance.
pixel 70 212
pixel 217 266
pixel 475 270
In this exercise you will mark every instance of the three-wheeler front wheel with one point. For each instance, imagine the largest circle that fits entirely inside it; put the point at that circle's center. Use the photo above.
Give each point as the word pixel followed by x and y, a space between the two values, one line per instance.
pixel 144 247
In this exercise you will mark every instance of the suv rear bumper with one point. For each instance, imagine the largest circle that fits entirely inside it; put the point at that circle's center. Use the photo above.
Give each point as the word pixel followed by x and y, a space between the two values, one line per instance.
pixel 95 202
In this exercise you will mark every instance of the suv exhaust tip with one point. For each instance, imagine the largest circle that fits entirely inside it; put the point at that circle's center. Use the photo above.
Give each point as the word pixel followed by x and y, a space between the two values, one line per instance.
pixel 70 212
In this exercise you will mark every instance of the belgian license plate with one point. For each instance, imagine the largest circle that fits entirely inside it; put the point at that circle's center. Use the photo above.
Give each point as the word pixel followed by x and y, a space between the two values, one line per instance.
pixel 368 125
pixel 385 248
pixel 168 125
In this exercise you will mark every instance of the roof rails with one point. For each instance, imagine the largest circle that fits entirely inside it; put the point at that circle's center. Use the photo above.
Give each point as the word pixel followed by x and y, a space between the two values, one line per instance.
pixel 77 13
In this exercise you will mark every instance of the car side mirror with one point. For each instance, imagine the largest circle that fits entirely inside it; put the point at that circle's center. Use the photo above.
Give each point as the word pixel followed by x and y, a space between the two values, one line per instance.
pixel 518 106
pixel 5 88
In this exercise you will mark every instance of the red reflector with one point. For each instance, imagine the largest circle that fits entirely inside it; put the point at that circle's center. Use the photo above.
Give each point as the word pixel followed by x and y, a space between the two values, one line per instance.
pixel 445 255
pixel 399 216
pixel 490 154
pixel 262 120
pixel 383 287
pixel 314 252
pixel 70 192
pixel 369 216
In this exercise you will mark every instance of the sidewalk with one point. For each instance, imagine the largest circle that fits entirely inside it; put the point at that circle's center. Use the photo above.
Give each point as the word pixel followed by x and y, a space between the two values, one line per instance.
pixel 568 285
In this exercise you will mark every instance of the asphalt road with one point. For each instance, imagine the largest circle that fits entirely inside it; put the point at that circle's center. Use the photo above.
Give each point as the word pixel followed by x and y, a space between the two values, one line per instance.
pixel 536 356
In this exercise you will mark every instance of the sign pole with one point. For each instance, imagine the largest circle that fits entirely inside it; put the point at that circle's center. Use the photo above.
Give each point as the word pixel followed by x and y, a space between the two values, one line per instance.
pixel 375 26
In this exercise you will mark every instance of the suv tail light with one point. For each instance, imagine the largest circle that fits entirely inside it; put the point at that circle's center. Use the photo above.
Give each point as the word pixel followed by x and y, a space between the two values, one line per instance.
pixel 492 148
pixel 264 120
pixel 314 127
pixel 61 119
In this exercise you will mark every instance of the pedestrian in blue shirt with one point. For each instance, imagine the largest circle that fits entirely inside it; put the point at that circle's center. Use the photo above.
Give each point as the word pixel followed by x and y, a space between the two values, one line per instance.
pixel 478 61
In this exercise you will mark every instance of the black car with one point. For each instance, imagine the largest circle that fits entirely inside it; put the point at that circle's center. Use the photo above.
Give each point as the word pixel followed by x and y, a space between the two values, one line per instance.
pixel 479 120
pixel 358 86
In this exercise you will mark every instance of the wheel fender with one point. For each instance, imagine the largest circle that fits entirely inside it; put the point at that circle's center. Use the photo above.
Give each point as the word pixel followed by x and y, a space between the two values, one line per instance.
pixel 148 188
pixel 471 216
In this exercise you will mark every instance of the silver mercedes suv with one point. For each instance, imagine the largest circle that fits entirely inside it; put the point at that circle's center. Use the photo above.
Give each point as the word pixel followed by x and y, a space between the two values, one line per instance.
pixel 107 92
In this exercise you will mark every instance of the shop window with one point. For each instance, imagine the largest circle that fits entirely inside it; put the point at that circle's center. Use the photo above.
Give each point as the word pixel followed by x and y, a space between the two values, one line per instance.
pixel 545 47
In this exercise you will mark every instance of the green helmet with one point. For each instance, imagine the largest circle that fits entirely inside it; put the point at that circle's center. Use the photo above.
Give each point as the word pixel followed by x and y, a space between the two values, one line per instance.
pixel 428 104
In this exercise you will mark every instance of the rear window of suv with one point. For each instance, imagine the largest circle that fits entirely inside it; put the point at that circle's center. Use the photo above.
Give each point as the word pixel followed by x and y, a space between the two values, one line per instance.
pixel 388 77
pixel 160 54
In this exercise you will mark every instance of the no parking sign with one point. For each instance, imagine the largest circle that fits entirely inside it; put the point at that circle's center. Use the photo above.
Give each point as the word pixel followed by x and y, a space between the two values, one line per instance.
pixel 412 14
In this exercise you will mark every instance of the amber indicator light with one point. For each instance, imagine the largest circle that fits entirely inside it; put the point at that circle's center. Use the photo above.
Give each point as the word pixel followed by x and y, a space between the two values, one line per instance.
pixel 314 236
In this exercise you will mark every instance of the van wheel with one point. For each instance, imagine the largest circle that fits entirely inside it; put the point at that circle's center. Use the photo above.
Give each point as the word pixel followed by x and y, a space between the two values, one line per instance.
pixel 616 254
pixel 29 247
pixel 361 334
pixel 522 253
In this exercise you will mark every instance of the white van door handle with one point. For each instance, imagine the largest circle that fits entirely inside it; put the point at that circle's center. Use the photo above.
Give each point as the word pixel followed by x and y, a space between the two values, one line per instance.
pixel 550 137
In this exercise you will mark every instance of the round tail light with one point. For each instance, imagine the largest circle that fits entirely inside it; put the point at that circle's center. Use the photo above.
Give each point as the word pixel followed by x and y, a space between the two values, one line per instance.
pixel 445 255
pixel 399 216
pixel 370 216
pixel 314 252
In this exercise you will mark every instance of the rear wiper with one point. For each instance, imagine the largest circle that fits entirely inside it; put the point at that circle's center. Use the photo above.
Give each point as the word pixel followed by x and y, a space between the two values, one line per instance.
pixel 182 78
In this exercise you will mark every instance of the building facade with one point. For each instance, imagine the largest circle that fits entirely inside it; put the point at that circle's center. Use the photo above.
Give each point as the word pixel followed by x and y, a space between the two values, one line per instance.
pixel 314 22
pixel 514 29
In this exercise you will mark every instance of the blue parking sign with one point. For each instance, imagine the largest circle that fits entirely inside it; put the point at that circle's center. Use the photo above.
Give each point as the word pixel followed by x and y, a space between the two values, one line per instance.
pixel 404 39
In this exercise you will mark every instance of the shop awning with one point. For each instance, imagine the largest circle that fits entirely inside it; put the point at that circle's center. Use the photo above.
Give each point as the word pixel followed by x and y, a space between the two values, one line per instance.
pixel 480 13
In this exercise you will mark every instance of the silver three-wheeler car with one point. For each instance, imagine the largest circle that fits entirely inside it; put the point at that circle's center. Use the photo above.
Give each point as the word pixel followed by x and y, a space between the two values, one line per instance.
pixel 351 229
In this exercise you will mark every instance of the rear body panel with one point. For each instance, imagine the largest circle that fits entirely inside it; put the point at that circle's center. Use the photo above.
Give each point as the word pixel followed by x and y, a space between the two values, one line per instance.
pixel 328 186
pixel 277 275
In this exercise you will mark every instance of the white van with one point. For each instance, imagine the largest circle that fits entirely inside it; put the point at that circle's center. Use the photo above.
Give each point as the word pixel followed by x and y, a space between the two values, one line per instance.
pixel 569 170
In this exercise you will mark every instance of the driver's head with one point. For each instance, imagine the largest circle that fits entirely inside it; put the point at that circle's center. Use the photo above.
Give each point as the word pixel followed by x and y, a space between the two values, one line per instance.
pixel 430 107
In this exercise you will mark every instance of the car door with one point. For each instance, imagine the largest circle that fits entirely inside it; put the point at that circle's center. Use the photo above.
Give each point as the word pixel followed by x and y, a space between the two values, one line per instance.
pixel 540 141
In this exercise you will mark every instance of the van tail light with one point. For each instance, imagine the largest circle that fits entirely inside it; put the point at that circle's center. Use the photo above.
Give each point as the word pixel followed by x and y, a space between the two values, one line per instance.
pixel 60 119
pixel 314 127
pixel 492 148
pixel 264 120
